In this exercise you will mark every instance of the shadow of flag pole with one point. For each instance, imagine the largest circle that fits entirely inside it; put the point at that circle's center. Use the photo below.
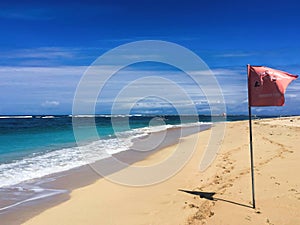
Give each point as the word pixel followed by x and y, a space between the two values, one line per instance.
pixel 266 87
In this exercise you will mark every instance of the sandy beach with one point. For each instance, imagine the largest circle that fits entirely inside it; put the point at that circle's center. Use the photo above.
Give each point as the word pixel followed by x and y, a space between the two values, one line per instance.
pixel 277 186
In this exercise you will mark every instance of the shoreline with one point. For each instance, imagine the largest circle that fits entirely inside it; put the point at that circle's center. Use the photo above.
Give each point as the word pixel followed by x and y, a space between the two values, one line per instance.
pixel 82 176
pixel 277 190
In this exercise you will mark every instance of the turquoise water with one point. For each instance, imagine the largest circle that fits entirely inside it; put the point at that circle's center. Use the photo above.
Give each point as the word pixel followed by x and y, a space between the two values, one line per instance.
pixel 22 137
pixel 35 146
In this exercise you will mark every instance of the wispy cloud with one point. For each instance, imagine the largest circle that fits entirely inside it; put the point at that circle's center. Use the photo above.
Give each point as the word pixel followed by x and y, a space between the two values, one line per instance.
pixel 49 56
pixel 40 53
pixel 136 88
pixel 50 104
pixel 235 54
pixel 57 10
pixel 25 13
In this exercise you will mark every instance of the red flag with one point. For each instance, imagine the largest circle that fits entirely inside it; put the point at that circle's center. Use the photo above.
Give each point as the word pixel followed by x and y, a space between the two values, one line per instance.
pixel 266 86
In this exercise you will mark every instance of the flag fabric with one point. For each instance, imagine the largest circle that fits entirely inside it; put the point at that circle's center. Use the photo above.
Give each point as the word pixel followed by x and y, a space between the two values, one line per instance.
pixel 266 86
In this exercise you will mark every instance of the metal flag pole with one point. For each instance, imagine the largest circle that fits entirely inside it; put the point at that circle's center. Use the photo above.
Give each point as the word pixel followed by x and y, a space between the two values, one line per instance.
pixel 250 136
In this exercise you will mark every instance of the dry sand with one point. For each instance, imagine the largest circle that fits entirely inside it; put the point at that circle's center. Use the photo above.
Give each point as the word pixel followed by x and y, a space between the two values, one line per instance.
pixel 277 185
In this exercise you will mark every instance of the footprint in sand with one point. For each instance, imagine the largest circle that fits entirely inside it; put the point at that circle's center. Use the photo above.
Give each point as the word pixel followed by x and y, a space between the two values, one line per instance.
pixel 227 185
pixel 268 222
pixel 191 205
pixel 248 218
pixel 227 171
pixel 257 211
pixel 243 173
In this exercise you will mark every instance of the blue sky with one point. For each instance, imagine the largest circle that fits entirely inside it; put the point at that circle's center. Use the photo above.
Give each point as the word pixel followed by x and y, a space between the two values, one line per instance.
pixel 47 45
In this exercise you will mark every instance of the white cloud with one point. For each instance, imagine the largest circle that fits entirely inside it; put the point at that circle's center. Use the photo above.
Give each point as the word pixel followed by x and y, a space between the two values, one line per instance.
pixel 38 53
pixel 216 72
pixel 50 104
pixel 291 95
pixel 235 54
pixel 58 85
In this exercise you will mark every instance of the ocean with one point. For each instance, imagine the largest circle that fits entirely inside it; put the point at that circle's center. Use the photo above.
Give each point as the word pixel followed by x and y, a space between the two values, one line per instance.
pixel 34 147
